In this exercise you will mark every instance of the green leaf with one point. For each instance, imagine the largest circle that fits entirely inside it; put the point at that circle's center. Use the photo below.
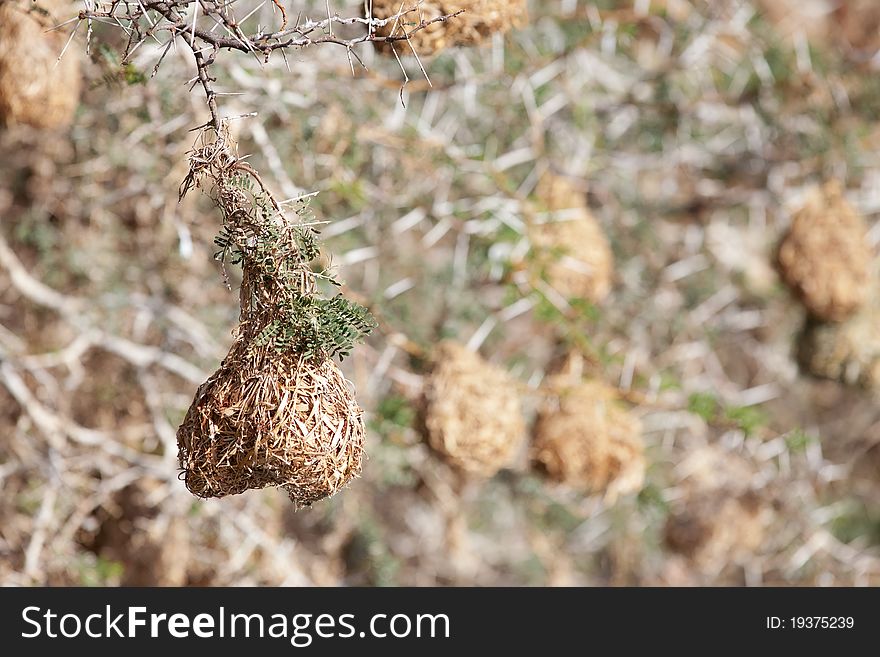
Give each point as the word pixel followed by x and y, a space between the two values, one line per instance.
pixel 704 404
pixel 747 418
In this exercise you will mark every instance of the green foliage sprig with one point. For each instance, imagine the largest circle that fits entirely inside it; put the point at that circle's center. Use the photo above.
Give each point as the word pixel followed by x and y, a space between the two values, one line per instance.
pixel 281 306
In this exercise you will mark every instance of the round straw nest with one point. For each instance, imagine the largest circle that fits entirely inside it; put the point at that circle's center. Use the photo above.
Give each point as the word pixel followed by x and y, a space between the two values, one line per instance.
pixel 847 351
pixel 479 21
pixel 472 411
pixel 570 251
pixel 716 529
pixel 269 419
pixel 825 257
pixel 719 516
pixel 35 88
pixel 583 439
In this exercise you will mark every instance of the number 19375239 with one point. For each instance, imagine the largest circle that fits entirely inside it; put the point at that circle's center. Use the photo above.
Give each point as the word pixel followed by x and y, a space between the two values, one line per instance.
pixel 810 623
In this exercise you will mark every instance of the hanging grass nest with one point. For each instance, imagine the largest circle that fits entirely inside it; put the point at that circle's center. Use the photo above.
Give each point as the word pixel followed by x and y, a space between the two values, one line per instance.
pixel 472 411
pixel 479 20
pixel 717 528
pixel 570 251
pixel 278 411
pixel 35 88
pixel 582 438
pixel 825 257
pixel 847 351
pixel 267 419
pixel 721 513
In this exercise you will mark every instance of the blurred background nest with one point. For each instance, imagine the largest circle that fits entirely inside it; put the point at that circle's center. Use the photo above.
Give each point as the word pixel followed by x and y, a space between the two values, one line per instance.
pixel 689 137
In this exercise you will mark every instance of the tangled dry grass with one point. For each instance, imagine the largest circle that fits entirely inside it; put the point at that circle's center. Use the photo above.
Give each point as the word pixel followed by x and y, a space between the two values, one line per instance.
pixel 36 87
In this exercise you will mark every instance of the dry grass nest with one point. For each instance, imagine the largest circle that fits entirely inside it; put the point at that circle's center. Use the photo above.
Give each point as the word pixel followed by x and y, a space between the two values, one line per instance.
pixel 479 21
pixel 720 514
pixel 717 528
pixel 847 351
pixel 278 411
pixel 35 88
pixel 584 439
pixel 825 257
pixel 472 411
pixel 265 419
pixel 570 251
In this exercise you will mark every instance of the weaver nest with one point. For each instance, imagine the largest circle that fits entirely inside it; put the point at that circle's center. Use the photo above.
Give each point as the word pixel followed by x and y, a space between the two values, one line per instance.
pixel 36 88
pixel 269 419
pixel 847 351
pixel 825 257
pixel 478 22
pixel 721 515
pixel 584 439
pixel 472 411
pixel 570 250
